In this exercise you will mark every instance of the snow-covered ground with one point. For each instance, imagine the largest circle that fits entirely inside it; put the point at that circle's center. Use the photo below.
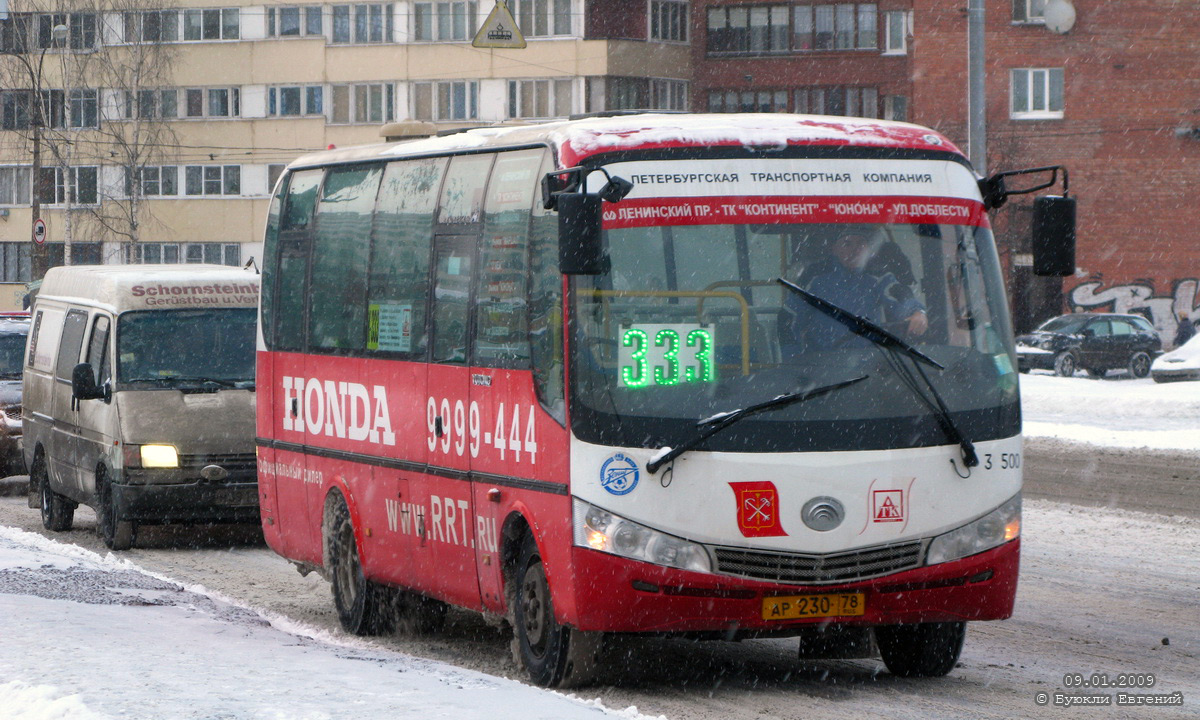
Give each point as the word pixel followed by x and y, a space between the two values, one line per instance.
pixel 85 637
pixel 1115 411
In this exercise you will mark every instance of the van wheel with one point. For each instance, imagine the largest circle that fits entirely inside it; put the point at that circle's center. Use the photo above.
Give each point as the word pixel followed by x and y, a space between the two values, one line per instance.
pixel 58 512
pixel 117 534
pixel 922 650
pixel 363 607
pixel 1139 364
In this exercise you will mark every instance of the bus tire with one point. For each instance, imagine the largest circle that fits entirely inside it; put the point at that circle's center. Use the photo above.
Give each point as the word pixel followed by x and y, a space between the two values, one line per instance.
pixel 117 533
pixel 58 512
pixel 363 607
pixel 921 650
pixel 553 655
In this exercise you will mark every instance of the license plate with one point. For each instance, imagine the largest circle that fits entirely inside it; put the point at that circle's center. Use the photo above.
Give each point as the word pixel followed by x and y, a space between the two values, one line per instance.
pixel 236 497
pixel 797 607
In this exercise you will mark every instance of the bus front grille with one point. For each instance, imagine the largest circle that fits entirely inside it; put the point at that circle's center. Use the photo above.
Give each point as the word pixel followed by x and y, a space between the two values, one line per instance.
pixel 800 569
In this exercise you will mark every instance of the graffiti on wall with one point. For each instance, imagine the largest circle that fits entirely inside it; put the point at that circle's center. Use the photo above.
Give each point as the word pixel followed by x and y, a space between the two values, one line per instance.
pixel 1139 299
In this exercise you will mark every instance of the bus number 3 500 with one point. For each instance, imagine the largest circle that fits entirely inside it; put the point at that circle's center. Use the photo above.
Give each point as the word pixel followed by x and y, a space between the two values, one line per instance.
pixel 461 428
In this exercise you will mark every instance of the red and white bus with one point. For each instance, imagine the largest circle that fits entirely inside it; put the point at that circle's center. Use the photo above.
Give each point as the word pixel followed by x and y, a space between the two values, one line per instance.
pixel 583 375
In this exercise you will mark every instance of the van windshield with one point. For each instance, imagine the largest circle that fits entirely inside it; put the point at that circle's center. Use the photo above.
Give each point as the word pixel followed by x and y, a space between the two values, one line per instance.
pixel 187 348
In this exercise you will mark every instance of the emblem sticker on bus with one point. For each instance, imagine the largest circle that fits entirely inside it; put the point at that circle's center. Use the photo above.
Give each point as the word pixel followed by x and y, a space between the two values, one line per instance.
pixel 659 354
pixel 619 474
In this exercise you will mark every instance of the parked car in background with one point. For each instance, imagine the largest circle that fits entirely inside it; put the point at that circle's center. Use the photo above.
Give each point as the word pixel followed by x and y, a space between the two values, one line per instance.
pixel 14 329
pixel 1182 363
pixel 1095 342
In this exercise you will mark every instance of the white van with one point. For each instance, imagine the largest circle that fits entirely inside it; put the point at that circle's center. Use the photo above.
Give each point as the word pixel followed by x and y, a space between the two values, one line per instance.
pixel 139 396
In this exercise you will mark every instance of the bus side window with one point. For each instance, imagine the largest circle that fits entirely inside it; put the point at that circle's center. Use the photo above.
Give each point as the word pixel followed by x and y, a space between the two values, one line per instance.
pixel 501 322
pixel 337 293
pixel 285 292
pixel 399 269
pixel 545 308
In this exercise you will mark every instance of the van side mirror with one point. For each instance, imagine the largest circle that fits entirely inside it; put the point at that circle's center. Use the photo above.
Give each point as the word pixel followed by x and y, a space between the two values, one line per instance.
pixel 1053 240
pixel 83 385
pixel 580 251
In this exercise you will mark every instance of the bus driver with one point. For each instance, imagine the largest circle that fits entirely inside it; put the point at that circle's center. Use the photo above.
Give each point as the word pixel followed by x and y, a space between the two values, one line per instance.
pixel 845 278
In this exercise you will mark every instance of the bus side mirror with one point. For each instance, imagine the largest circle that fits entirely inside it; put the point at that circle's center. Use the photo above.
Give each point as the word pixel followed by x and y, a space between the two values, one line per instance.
pixel 580 251
pixel 84 387
pixel 1053 240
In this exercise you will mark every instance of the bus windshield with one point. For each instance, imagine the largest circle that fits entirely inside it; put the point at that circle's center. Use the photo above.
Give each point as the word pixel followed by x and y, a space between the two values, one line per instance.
pixel 689 322
pixel 181 348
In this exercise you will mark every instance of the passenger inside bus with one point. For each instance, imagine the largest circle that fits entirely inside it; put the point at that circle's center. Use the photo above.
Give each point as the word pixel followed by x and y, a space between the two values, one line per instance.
pixel 854 276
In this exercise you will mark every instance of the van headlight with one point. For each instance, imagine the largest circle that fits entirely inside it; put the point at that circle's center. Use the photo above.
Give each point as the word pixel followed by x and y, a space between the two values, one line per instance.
pixel 601 530
pixel 158 456
pixel 996 528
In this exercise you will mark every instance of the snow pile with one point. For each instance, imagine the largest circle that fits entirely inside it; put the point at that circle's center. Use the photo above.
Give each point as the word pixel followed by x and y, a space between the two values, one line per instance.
pixel 88 638
pixel 1116 412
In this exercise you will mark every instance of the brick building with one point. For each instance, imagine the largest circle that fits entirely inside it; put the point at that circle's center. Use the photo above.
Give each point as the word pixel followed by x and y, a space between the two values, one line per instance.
pixel 1116 100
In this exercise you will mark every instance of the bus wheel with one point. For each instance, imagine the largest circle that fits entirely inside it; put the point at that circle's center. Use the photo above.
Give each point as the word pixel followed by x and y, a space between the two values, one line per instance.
pixel 922 650
pixel 554 655
pixel 117 534
pixel 363 607
pixel 58 512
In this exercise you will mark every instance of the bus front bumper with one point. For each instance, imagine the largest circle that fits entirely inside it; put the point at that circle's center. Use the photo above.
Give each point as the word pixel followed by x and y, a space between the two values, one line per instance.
pixel 620 595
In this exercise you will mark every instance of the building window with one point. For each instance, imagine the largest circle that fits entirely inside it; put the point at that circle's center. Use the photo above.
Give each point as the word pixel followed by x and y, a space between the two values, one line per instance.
pixel 155 253
pixel 274 171
pixel 295 100
pixel 15 262
pixel 668 94
pixel 668 20
pixel 845 26
pixel 85 109
pixel 839 100
pixel 897 28
pixel 213 253
pixel 895 107
pixel 152 26
pixel 82 28
pixel 14 185
pixel 1037 93
pixel 542 18
pixel 362 23
pixel 212 102
pixel 539 98
pixel 151 104
pixel 457 20
pixel 213 180
pixel 756 29
pixel 294 21
pixel 212 24
pixel 153 181
pixel 53 185
pixel 446 101
pixel 367 103
pixel 734 101
pixel 1029 11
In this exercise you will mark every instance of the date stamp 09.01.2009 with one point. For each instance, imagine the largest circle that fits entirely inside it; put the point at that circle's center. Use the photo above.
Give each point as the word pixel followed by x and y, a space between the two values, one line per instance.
pixel 1122 689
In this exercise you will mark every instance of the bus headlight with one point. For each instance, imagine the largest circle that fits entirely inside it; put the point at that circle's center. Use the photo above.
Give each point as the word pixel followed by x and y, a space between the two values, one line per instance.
pixel 996 528
pixel 601 530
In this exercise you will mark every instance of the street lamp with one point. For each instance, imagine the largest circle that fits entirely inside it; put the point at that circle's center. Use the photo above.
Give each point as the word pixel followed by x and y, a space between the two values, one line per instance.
pixel 41 253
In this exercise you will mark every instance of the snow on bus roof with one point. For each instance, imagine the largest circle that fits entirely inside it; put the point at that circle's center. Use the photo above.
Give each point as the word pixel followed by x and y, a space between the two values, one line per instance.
pixel 577 139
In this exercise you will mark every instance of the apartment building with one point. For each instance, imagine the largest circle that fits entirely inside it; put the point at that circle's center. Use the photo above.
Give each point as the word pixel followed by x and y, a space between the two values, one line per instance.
pixel 1114 96
pixel 249 87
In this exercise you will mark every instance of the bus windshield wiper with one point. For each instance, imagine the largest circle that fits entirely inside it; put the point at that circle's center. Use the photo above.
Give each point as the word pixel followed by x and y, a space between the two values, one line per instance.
pixel 865 328
pixel 859 325
pixel 717 423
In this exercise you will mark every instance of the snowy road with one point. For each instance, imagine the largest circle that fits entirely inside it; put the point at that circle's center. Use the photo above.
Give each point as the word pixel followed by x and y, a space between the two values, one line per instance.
pixel 1103 590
